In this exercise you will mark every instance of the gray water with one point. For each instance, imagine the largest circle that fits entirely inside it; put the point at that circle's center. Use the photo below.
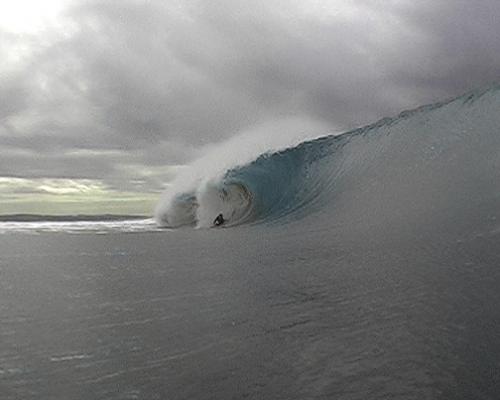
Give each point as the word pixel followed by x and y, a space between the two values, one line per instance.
pixel 367 267
pixel 239 313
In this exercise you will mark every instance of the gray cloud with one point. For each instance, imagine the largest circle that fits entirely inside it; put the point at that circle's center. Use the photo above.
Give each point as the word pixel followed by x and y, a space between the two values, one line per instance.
pixel 154 82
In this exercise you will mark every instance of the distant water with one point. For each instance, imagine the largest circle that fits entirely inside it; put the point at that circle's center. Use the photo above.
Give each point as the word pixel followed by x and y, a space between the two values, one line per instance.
pixel 360 266
pixel 33 224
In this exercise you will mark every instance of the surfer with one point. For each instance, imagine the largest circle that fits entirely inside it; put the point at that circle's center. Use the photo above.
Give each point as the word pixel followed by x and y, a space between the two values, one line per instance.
pixel 219 220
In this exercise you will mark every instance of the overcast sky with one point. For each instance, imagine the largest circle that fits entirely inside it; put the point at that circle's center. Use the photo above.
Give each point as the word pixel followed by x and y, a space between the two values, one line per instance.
pixel 103 101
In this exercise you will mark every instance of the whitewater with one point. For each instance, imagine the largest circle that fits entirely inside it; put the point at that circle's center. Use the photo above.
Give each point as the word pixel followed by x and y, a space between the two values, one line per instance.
pixel 361 265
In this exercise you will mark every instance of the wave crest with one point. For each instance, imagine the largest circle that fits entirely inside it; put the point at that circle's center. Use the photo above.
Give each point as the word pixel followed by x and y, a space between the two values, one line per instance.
pixel 383 167
pixel 272 186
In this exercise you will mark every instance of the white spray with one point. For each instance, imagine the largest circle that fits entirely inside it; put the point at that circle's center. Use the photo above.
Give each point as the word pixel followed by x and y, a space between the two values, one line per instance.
pixel 202 177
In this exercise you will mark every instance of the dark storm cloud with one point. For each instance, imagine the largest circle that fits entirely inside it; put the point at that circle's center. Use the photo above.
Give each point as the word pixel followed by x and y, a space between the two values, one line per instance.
pixel 155 81
pixel 462 46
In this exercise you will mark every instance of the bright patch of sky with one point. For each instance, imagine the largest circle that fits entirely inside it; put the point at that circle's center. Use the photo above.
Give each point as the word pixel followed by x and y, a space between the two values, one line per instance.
pixel 31 16
pixel 70 196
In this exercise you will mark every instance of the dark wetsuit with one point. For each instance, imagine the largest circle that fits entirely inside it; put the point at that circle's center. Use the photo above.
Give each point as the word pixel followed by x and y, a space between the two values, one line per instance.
pixel 219 220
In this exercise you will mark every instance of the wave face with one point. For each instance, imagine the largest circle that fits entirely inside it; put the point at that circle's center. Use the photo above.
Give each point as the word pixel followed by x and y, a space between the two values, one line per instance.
pixel 437 160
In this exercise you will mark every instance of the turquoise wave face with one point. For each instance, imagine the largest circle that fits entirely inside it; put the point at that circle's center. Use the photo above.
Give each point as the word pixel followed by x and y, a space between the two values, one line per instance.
pixel 286 182
pixel 439 158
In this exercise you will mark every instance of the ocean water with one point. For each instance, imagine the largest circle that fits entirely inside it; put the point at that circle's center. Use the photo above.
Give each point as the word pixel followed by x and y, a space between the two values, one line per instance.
pixel 359 266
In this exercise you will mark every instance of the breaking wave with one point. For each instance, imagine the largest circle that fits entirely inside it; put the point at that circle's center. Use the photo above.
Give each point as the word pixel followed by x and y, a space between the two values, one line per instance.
pixel 433 157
